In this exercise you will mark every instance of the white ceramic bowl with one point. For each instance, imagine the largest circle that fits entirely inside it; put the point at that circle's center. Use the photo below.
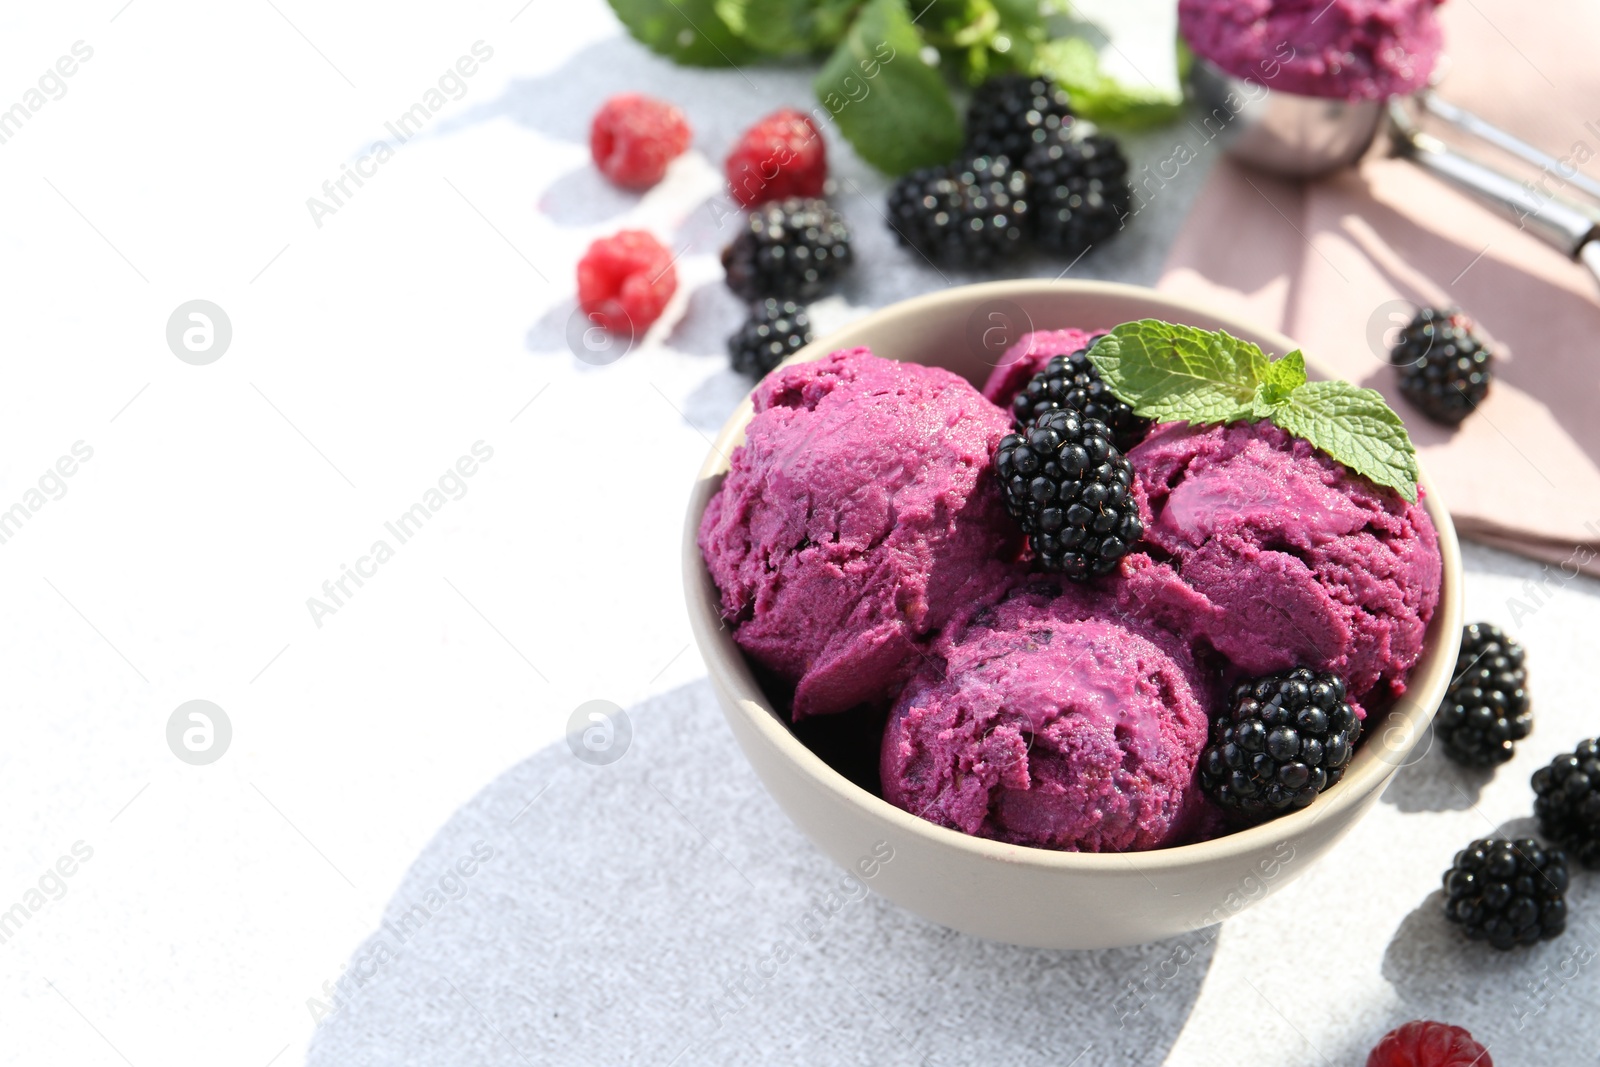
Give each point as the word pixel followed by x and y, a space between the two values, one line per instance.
pixel 1013 893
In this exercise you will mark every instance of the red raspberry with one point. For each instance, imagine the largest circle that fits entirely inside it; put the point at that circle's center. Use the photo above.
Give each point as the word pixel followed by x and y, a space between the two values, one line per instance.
pixel 625 281
pixel 633 138
pixel 781 156
pixel 1428 1044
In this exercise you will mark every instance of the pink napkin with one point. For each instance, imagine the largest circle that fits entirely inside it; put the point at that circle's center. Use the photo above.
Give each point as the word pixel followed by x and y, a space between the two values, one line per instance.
pixel 1320 262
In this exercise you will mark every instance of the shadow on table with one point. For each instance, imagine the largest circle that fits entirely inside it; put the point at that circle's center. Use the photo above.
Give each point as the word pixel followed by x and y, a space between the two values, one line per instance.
pixel 1529 1005
pixel 661 909
pixel 1434 782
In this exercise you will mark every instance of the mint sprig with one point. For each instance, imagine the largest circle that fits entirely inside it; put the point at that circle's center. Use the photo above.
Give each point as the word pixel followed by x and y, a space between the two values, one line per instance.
pixel 1174 373
pixel 888 67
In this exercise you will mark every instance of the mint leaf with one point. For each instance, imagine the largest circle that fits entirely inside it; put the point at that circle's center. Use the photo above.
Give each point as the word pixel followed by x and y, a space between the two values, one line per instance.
pixel 1282 377
pixel 1356 427
pixel 1175 373
pixel 685 31
pixel 948 24
pixel 786 27
pixel 1075 65
pixel 892 107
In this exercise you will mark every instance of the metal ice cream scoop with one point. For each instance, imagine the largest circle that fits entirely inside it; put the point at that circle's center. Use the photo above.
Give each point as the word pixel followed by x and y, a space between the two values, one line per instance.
pixel 1306 136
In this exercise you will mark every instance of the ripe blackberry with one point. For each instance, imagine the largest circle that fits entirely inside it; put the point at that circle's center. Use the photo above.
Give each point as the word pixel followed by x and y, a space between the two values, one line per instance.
pixel 1507 893
pixel 966 214
pixel 1568 801
pixel 1011 113
pixel 1485 710
pixel 1423 1043
pixel 775 330
pixel 1445 367
pixel 1070 381
pixel 1080 191
pixel 1286 738
pixel 792 249
pixel 1070 489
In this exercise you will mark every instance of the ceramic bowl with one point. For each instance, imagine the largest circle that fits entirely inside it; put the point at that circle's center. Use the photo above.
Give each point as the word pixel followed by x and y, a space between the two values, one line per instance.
pixel 1013 893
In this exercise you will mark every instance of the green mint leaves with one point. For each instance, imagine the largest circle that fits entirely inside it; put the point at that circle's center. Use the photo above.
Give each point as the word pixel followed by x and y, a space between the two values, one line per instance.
pixel 889 103
pixel 1174 373
pixel 1074 63
pixel 890 70
pixel 1356 427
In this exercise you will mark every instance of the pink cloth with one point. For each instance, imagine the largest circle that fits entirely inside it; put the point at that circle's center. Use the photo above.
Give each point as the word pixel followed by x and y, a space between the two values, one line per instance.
pixel 1320 261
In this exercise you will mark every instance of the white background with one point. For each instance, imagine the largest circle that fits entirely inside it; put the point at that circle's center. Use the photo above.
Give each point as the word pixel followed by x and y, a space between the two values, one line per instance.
pixel 428 313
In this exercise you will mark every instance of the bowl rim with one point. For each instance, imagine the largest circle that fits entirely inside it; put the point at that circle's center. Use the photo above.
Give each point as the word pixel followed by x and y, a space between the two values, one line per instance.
pixel 730 672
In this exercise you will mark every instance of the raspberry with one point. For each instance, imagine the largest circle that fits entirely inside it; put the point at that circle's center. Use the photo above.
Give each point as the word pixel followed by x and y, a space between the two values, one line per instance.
pixel 781 156
pixel 1423 1043
pixel 634 137
pixel 624 281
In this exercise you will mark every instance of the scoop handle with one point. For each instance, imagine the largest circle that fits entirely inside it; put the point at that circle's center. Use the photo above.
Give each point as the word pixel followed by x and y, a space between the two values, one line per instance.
pixel 1562 224
pixel 1484 130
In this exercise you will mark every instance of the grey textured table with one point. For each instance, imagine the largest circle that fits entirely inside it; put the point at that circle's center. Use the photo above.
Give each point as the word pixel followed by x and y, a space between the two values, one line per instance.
pixel 635 912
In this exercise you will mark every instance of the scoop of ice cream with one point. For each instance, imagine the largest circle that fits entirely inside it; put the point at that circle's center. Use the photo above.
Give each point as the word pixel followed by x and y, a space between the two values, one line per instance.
pixel 1027 357
pixel 1349 49
pixel 1278 556
pixel 859 515
pixel 1052 724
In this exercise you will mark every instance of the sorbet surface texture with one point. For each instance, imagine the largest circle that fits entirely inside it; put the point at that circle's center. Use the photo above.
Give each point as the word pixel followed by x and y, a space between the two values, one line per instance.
pixel 1048 726
pixel 1027 357
pixel 1276 556
pixel 1348 49
pixel 858 517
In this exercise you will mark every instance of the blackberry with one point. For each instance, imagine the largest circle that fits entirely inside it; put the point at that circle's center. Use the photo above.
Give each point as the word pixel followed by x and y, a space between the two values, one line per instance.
pixel 793 249
pixel 965 214
pixel 1071 381
pixel 1568 801
pixel 775 330
pixel 1080 191
pixel 1011 113
pixel 1507 893
pixel 1445 367
pixel 1485 710
pixel 1070 489
pixel 1286 738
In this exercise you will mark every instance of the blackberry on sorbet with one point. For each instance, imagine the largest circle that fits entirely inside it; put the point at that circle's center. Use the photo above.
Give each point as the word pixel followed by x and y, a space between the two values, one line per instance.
pixel 794 249
pixel 1285 738
pixel 1071 382
pixel 1070 489
pixel 1507 893
pixel 1485 709
pixel 1567 801
pixel 967 214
